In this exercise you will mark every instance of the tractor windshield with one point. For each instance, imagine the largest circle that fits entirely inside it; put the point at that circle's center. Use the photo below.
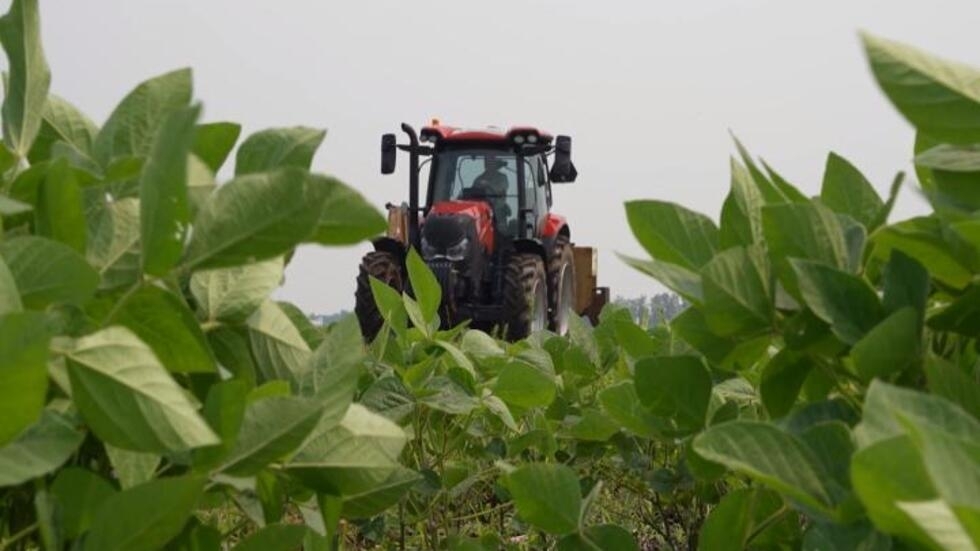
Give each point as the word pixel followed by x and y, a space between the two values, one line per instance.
pixel 478 175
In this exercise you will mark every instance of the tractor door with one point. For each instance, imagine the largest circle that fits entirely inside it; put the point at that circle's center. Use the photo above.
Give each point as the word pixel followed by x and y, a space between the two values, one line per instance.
pixel 535 181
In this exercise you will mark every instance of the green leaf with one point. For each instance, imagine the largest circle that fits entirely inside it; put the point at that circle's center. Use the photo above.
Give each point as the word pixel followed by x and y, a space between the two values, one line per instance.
pixel 954 384
pixel 922 239
pixel 132 468
pixel 64 124
pixel 133 124
pixel 773 187
pixel 593 425
pixel 47 272
pixel 79 493
pixel 382 495
pixel 939 97
pixel 278 147
pixel 845 301
pixel 335 368
pixel 162 321
pixel 274 537
pixel 114 240
pixel 164 209
pixel 892 346
pixel 278 347
pixel 803 230
pixel 835 537
pixel 523 386
pixel 960 316
pixel 847 191
pixel 233 294
pixel 887 408
pixel 351 458
pixel 23 372
pixel 271 430
pixel 443 394
pixel 60 212
pixel 738 297
pixel 29 79
pixel 9 297
pixel 347 218
pixel 547 496
pixel 740 521
pixel 604 537
pixel 224 410
pixel 952 462
pixel 40 449
pixel 771 456
pixel 682 281
pixel 214 141
pixel 200 185
pixel 782 380
pixel 127 397
pixel 254 217
pixel 425 286
pixel 741 213
pixel 389 397
pixel 672 233
pixel 144 517
pixel 622 404
pixel 676 387
pixel 905 283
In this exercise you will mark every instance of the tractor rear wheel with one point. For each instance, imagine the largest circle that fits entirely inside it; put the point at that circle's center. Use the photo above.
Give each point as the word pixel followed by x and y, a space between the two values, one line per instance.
pixel 561 285
pixel 525 296
pixel 386 268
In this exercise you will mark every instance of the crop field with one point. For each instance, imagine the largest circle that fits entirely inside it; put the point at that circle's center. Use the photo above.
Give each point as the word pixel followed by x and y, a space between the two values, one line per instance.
pixel 821 391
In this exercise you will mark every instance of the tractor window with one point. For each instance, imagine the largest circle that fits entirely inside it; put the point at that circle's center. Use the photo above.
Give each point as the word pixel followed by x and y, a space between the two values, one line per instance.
pixel 474 175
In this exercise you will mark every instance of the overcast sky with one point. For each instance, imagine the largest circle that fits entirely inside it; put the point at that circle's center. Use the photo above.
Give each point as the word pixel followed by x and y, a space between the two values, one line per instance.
pixel 647 89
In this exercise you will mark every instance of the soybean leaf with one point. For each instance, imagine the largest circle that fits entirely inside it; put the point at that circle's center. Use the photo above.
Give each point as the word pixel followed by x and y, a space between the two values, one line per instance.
pixel 278 147
pixel 131 468
pixel 782 380
pixel 741 213
pixel 113 247
pixel 773 187
pixel 274 537
pixel 29 79
pixel 547 496
pixel 905 283
pixel 47 272
pixel 622 404
pixel 682 281
pixel 382 494
pixel 845 301
pixel 523 386
pixel 951 382
pixel 939 97
pixel 593 425
pixel 214 141
pixel 835 537
pixel 888 407
pixel 162 321
pixel 132 126
pixel 60 212
pixel 922 239
pixel 9 297
pixel 40 449
pixel 960 316
pixel 347 218
pixel 427 291
pixel 127 397
pixel 271 430
pixel 771 456
pixel 164 209
pixel 803 230
pixel 23 371
pixel 352 457
pixel 738 296
pixel 672 233
pixel 79 492
pixel 233 294
pixel 144 517
pixel 254 217
pixel 890 347
pixel 389 397
pixel 63 123
pixel 676 387
pixel 224 410
pixel 847 191
pixel 604 537
pixel 739 521
pixel 277 345
pixel 200 185
pixel 335 368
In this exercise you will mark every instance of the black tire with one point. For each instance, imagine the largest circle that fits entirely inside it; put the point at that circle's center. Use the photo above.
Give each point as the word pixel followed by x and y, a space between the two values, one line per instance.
pixel 561 286
pixel 525 296
pixel 385 267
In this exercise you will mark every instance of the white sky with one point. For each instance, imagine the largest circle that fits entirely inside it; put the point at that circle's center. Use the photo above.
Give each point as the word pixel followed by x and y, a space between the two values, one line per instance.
pixel 647 89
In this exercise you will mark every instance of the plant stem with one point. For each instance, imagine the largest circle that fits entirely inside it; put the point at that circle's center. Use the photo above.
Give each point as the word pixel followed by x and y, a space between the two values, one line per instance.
pixel 8 544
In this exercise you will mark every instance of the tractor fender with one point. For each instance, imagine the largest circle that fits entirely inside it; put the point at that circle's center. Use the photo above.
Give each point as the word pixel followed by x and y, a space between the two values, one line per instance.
pixel 391 246
pixel 532 246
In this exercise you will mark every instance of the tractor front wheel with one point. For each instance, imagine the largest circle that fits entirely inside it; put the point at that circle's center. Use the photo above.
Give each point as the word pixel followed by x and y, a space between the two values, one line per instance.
pixel 561 285
pixel 386 268
pixel 525 296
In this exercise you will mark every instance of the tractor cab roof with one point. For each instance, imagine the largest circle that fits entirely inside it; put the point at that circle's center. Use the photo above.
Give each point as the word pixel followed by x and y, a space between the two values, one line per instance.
pixel 440 133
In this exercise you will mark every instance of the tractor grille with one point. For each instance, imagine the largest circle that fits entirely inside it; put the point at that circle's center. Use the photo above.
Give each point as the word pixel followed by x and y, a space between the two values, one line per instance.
pixel 446 276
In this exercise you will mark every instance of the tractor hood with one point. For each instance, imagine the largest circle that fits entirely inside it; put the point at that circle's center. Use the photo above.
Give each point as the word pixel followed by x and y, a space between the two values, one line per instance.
pixel 449 222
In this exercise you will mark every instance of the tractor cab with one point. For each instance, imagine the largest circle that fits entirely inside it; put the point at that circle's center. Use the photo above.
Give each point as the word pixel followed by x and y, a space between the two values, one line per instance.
pixel 485 229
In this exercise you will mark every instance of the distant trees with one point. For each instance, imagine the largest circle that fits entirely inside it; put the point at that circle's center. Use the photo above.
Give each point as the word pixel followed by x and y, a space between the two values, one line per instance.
pixel 652 310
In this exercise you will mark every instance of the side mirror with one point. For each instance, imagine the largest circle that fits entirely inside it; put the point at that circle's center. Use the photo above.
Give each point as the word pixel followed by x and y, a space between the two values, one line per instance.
pixel 562 169
pixel 389 153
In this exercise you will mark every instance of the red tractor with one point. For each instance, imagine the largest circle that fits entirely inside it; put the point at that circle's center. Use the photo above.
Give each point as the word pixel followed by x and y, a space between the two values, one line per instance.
pixel 486 231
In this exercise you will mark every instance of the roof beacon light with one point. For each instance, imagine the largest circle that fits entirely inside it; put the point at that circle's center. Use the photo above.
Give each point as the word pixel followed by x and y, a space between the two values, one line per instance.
pixel 519 139
pixel 532 138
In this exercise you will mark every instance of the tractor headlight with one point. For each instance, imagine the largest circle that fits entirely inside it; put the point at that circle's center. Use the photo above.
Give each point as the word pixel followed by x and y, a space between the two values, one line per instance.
pixel 428 250
pixel 457 252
